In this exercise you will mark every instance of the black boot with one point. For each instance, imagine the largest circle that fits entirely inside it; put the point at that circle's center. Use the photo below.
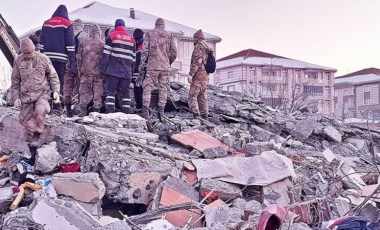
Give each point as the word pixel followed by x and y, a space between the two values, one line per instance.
pixel 196 115
pixel 68 110
pixel 204 116
pixel 97 110
pixel 57 109
pixel 83 111
pixel 110 104
pixel 126 106
pixel 145 112
pixel 33 152
pixel 161 113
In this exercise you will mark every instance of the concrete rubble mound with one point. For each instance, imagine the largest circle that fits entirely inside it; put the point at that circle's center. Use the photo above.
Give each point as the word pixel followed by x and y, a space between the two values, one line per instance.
pixel 247 166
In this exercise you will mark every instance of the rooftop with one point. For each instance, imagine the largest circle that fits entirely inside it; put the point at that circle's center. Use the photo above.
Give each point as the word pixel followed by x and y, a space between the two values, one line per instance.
pixel 256 57
pixel 360 77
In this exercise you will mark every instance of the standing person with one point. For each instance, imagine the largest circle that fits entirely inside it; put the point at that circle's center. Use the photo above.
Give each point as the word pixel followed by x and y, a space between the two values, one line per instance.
pixel 57 42
pixel 198 77
pixel 118 58
pixel 71 80
pixel 34 79
pixel 158 53
pixel 138 35
pixel 91 83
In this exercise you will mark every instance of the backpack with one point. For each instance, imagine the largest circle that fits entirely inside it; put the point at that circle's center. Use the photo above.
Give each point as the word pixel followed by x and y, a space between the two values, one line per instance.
pixel 210 64
pixel 77 42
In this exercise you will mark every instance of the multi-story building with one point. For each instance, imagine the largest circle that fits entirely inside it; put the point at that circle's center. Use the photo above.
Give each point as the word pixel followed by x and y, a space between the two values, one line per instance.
pixel 357 94
pixel 105 16
pixel 280 82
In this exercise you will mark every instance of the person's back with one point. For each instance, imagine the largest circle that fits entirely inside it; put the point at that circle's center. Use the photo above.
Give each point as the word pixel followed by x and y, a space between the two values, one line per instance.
pixel 57 42
pixel 89 56
pixel 57 37
pixel 158 53
pixel 159 48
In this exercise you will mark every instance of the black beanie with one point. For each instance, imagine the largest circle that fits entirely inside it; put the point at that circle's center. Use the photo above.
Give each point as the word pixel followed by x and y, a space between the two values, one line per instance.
pixel 138 34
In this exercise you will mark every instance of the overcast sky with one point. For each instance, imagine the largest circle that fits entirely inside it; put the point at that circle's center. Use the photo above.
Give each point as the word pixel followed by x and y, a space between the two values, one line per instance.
pixel 343 34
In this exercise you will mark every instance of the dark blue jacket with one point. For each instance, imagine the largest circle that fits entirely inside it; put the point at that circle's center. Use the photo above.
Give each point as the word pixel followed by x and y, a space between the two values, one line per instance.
pixel 119 54
pixel 57 37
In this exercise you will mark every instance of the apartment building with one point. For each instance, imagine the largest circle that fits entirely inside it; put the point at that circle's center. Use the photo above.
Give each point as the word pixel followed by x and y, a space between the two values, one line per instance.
pixel 280 82
pixel 105 15
pixel 357 94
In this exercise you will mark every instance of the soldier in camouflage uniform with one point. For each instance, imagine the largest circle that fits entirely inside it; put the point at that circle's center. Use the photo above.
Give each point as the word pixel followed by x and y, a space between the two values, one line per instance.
pixel 33 80
pixel 198 78
pixel 71 81
pixel 88 58
pixel 158 53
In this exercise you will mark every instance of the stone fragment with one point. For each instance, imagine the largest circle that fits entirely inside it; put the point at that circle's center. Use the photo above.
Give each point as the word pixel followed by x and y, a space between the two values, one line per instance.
pixel 159 224
pixel 256 148
pixel 55 214
pixel 5 199
pixel 277 193
pixel 332 133
pixel 225 191
pixel 296 226
pixel 358 143
pixel 304 128
pixel 85 187
pixel 215 152
pixel 224 215
pixel 251 206
pixel 257 119
pixel 47 158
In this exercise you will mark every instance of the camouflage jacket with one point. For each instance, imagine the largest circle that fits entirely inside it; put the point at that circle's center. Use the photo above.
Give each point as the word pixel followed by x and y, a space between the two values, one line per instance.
pixel 198 61
pixel 32 78
pixel 89 55
pixel 159 50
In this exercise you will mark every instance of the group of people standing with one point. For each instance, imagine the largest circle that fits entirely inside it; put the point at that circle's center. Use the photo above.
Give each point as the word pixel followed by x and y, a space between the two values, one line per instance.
pixel 64 57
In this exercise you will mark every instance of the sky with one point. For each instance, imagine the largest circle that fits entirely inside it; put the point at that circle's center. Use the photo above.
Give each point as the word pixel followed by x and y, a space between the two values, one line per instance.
pixel 342 34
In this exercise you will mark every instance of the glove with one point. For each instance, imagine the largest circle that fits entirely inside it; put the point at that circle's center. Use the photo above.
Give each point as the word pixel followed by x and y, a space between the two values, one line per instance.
pixel 190 79
pixel 73 68
pixel 139 80
pixel 17 104
pixel 56 98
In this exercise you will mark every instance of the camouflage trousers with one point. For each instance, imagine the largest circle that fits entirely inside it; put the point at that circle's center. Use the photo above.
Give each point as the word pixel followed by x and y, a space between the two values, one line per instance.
pixel 91 88
pixel 198 102
pixel 32 117
pixel 153 79
pixel 70 86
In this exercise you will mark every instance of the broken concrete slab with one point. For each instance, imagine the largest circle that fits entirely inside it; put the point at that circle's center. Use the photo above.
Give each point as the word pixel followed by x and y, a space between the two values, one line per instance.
pixel 270 167
pixel 329 155
pixel 159 224
pixel 223 215
pixel 332 133
pixel 215 152
pixel 197 140
pixel 85 187
pixel 47 158
pixel 141 187
pixel 304 128
pixel 61 215
pixel 358 143
pixel 256 148
pixel 277 193
pixel 251 206
pixel 6 199
pixel 225 191
pixel 118 120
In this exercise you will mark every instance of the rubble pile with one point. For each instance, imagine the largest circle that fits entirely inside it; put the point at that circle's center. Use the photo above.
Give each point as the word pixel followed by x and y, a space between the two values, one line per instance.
pixel 247 167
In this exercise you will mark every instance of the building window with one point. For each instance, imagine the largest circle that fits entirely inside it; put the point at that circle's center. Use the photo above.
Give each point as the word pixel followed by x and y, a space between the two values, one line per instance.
pixel 346 92
pixel 230 74
pixel 367 98
pixel 268 73
pixel 231 88
pixel 311 75
pixel 313 90
pixel 367 88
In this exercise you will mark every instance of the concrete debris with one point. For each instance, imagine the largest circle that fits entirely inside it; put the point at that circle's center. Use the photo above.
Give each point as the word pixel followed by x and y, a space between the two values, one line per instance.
pixel 47 158
pixel 247 166
pixel 85 187
pixel 225 191
pixel 59 214
pixel 332 133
